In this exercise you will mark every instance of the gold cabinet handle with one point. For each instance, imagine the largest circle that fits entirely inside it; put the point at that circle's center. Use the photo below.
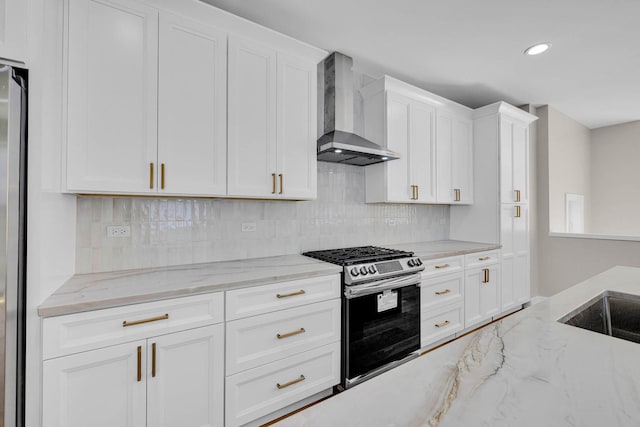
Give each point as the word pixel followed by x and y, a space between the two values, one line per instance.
pixel 292 382
pixel 162 176
pixel 446 291
pixel 417 192
pixel 290 334
pixel 441 324
pixel 413 192
pixel 292 294
pixel 457 194
pixel 485 275
pixel 442 266
pixel 281 176
pixel 273 178
pixel 140 322
pixel 151 175
pixel 517 195
pixel 484 258
pixel 153 360
pixel 139 363
pixel 518 212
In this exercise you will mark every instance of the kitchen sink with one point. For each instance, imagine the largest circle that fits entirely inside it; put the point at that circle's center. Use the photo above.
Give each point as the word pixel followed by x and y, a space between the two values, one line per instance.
pixel 610 313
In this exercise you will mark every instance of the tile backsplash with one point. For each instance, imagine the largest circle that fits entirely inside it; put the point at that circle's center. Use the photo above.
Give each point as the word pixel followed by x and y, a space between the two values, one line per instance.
pixel 183 231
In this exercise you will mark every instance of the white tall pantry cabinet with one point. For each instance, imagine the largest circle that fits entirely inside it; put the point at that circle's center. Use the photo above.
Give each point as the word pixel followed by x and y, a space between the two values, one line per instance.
pixel 500 213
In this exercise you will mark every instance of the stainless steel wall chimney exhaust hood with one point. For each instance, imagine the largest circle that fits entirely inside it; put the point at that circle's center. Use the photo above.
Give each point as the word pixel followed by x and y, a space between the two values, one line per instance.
pixel 339 144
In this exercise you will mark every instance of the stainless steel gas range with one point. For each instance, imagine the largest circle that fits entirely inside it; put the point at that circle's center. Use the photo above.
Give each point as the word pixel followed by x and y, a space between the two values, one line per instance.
pixel 380 309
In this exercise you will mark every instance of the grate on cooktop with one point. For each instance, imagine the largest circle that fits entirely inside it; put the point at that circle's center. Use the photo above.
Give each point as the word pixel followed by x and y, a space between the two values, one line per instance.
pixel 360 254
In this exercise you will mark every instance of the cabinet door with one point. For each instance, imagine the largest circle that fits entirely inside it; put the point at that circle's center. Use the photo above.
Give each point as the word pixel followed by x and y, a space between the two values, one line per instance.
pixel 99 388
pixel 422 151
pixel 185 378
pixel 514 161
pixel 455 159
pixel 296 128
pixel 481 294
pixel 252 120
pixel 112 71
pixel 397 136
pixel 192 125
pixel 515 255
pixel 13 30
pixel 462 160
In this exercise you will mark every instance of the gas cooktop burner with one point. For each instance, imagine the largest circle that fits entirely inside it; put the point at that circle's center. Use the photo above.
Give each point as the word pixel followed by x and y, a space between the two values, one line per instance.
pixel 357 255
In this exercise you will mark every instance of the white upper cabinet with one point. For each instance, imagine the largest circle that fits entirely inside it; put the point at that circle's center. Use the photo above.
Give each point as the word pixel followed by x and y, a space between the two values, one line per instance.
pixel 296 128
pixel 405 124
pixel 433 137
pixel 514 161
pixel 161 101
pixel 112 78
pixel 252 119
pixel 14 25
pixel 455 158
pixel 192 110
pixel 272 123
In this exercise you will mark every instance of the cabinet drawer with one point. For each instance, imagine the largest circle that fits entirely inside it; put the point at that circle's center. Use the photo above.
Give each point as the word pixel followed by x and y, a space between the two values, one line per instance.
pixel 100 328
pixel 277 296
pixel 258 340
pixel 443 290
pixel 479 259
pixel 436 325
pixel 440 266
pixel 257 392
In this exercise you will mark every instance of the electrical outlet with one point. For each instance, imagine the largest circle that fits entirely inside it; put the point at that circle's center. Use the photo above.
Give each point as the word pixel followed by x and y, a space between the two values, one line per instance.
pixel 119 231
pixel 248 227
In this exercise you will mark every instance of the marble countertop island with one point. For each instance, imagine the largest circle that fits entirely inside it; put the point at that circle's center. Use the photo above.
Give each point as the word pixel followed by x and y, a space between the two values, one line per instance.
pixel 524 370
pixel 86 292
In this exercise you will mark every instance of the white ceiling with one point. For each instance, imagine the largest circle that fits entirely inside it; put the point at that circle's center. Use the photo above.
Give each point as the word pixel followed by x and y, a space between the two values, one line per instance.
pixel 471 51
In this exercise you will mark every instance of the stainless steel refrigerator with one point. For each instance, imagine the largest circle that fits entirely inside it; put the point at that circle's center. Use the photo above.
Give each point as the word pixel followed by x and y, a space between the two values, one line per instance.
pixel 13 137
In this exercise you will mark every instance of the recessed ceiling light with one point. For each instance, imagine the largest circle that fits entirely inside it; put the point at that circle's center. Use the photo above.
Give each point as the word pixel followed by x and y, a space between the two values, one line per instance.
pixel 537 49
pixel 337 150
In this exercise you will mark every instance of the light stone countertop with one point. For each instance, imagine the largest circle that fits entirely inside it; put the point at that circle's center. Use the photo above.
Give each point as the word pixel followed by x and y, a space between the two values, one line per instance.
pixel 443 248
pixel 524 370
pixel 85 292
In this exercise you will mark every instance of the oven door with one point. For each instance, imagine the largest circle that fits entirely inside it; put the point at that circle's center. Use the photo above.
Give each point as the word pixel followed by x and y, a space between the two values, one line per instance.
pixel 382 326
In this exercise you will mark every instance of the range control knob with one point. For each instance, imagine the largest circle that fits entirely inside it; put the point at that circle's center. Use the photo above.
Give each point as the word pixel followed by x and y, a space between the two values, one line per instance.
pixel 355 272
pixel 372 269
pixel 363 271
pixel 411 263
pixel 418 261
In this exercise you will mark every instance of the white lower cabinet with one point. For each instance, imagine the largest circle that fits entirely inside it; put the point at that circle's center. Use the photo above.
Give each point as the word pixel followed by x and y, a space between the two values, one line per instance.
pixel 260 391
pixel 98 388
pixel 174 380
pixel 441 307
pixel 481 294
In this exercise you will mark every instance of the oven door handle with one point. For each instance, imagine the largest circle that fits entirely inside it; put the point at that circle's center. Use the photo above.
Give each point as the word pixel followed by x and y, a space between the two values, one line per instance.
pixel 381 285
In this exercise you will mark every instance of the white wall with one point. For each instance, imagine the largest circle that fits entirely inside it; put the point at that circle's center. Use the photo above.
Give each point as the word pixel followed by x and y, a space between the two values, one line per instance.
pixel 51 215
pixel 565 261
pixel 569 166
pixel 615 185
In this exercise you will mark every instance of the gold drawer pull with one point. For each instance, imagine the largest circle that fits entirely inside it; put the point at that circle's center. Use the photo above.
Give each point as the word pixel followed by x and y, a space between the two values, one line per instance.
pixel 446 291
pixel 292 294
pixel 139 322
pixel 484 258
pixel 440 325
pixel 290 334
pixel 292 382
pixel 139 377
pixel 443 266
